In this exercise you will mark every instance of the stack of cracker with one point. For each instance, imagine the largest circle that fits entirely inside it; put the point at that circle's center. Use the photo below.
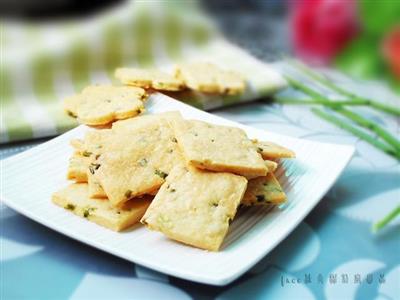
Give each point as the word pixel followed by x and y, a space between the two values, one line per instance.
pixel 183 178
pixel 101 105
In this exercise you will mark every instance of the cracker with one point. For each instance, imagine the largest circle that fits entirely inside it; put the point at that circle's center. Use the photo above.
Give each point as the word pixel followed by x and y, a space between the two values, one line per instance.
pixel 264 190
pixel 75 199
pixel 269 150
pixel 137 161
pixel 195 206
pixel 149 79
pixel 100 105
pixel 77 167
pixel 143 120
pixel 95 142
pixel 218 148
pixel 209 78
pixel 71 105
pixel 95 190
pixel 271 165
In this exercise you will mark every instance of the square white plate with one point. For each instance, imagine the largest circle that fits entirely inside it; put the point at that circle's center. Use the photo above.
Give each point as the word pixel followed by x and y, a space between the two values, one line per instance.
pixel 28 180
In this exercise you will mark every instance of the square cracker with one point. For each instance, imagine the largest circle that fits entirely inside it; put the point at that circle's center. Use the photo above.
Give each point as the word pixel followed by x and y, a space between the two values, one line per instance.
pixel 137 161
pixel 218 148
pixel 143 120
pixel 208 78
pixel 270 150
pixel 195 206
pixel 264 190
pixel 83 160
pixel 95 190
pixel 146 78
pixel 75 198
pixel 77 167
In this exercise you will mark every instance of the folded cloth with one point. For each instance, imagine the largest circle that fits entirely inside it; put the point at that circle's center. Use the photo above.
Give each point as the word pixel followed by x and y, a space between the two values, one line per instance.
pixel 46 62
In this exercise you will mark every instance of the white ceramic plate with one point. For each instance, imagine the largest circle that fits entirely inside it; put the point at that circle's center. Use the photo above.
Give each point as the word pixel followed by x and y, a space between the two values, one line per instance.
pixel 28 180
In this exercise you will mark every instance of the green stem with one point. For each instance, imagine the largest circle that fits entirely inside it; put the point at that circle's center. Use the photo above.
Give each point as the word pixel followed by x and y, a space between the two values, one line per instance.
pixel 320 78
pixel 381 132
pixel 386 108
pixel 284 100
pixel 305 89
pixel 389 217
pixel 361 134
pixel 327 83
pixel 337 106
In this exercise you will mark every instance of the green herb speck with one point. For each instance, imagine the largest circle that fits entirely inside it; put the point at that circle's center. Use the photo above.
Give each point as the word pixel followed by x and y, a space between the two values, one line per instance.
pixel 259 149
pixel 162 174
pixel 93 167
pixel 128 194
pixel 260 198
pixel 86 153
pixel 143 162
pixel 174 140
pixel 87 211
pixel 70 206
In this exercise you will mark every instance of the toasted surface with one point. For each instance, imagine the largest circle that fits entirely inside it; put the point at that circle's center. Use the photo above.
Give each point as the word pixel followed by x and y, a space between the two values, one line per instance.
pixel 271 165
pixel 77 167
pixel 149 79
pixel 71 104
pixel 95 142
pixel 102 104
pixel 143 120
pixel 209 78
pixel 270 150
pixel 218 148
pixel 75 199
pixel 137 161
pixel 95 189
pixel 195 206
pixel 264 190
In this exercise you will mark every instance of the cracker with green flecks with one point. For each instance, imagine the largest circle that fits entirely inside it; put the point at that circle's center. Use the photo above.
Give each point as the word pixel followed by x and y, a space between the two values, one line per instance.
pixel 95 142
pixel 270 150
pixel 195 207
pixel 77 167
pixel 208 78
pixel 84 159
pixel 137 161
pixel 147 78
pixel 218 148
pixel 75 199
pixel 100 105
pixel 263 191
pixel 143 120
pixel 271 165
pixel 95 190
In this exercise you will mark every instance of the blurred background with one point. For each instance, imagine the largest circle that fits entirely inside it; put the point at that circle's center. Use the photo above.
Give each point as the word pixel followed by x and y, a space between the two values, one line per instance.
pixel 361 38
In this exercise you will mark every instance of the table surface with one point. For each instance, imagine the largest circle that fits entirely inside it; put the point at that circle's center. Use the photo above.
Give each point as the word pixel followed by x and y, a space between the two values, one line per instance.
pixel 332 245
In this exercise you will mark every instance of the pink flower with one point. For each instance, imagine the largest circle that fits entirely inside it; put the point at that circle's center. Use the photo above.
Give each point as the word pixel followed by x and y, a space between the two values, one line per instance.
pixel 321 28
pixel 391 50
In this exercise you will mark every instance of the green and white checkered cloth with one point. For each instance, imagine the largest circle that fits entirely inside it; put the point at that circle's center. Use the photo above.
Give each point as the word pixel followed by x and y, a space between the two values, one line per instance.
pixel 41 64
